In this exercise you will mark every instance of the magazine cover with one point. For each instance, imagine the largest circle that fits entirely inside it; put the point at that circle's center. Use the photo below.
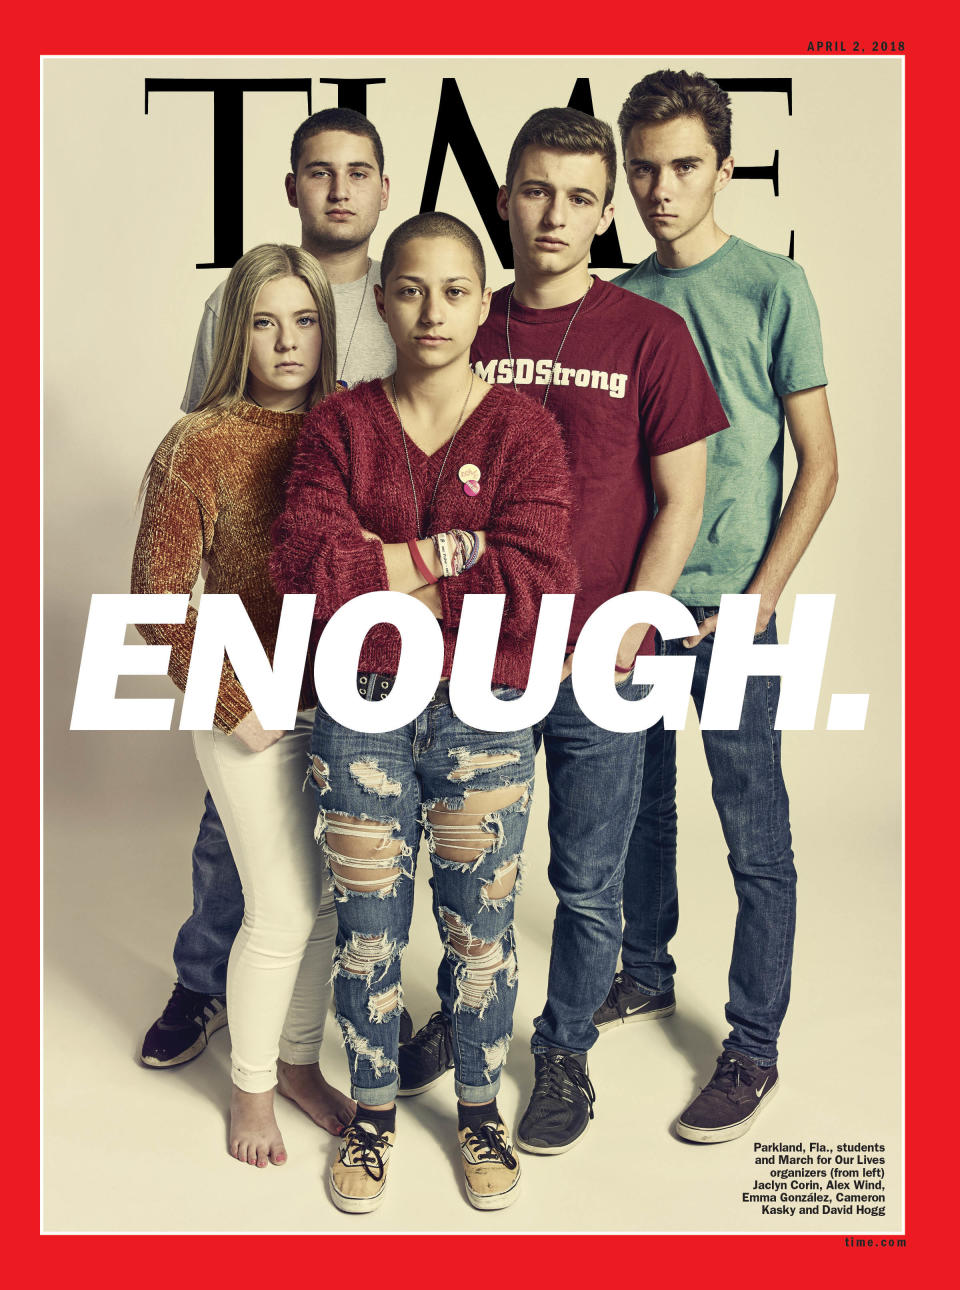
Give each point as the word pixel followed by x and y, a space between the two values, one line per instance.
pixel 159 172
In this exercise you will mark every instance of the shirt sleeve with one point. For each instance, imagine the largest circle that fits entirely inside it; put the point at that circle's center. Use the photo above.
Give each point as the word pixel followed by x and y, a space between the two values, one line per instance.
pixel 528 550
pixel 318 544
pixel 176 534
pixel 677 402
pixel 795 345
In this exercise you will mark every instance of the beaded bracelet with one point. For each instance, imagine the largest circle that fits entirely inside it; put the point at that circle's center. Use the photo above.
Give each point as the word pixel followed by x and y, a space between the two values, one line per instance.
pixel 474 555
pixel 466 541
pixel 467 549
pixel 462 549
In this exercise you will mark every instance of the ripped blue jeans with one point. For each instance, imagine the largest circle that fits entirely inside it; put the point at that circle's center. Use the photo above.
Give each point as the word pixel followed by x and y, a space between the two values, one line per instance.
pixel 469 791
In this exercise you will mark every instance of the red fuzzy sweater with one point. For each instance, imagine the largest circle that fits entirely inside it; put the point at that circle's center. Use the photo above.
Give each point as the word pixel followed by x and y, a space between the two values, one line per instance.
pixel 350 473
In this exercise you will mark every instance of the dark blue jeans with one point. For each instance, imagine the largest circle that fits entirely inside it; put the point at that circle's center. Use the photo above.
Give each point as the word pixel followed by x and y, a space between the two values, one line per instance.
pixel 205 939
pixel 594 797
pixel 751 800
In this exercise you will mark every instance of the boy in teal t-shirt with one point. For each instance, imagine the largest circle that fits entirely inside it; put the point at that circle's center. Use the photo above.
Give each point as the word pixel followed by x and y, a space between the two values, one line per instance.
pixel 755 324
pixel 754 321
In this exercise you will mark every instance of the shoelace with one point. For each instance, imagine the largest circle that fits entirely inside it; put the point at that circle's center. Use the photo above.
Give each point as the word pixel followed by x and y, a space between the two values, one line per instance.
pixel 558 1073
pixel 488 1143
pixel 616 993
pixel 431 1036
pixel 730 1074
pixel 361 1147
pixel 185 1005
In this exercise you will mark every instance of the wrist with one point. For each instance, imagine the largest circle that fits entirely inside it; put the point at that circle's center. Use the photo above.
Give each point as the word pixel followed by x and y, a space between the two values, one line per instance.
pixel 630 647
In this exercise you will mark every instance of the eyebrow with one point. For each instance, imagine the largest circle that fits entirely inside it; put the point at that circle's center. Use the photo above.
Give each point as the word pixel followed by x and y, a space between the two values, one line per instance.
pixel 545 183
pixel 675 161
pixel 265 313
pixel 412 277
pixel 350 165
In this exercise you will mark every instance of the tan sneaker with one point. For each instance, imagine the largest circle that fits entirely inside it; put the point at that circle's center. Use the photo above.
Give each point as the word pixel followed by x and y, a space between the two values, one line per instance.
pixel 358 1176
pixel 491 1170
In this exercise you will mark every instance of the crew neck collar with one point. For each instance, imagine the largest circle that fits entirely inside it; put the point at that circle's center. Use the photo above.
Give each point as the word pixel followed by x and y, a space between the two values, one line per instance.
pixel 254 414
pixel 718 255
pixel 584 303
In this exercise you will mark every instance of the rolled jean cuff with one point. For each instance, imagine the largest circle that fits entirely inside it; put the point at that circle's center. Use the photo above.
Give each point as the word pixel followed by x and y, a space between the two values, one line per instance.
pixel 380 1096
pixel 299 1054
pixel 540 1049
pixel 650 990
pixel 764 1060
pixel 477 1092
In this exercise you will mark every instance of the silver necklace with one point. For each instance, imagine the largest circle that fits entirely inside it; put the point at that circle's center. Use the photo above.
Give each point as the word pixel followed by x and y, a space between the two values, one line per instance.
pixel 406 450
pixel 343 366
pixel 553 369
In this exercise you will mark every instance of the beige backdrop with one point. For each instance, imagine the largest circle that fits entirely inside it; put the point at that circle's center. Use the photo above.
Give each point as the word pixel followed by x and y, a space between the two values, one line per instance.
pixel 128 215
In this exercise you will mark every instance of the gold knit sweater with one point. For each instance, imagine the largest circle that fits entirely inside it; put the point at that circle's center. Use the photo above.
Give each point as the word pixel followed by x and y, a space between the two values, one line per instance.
pixel 215 487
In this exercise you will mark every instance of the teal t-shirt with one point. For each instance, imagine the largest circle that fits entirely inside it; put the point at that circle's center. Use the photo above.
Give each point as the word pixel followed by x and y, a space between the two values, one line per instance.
pixel 753 319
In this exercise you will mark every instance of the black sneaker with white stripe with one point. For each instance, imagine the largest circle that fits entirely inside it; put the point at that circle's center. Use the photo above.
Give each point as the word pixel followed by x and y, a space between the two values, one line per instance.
pixel 182 1031
pixel 726 1107
pixel 626 1002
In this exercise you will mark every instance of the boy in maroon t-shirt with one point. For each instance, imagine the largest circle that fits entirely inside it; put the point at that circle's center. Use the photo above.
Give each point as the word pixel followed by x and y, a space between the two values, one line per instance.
pixel 625 381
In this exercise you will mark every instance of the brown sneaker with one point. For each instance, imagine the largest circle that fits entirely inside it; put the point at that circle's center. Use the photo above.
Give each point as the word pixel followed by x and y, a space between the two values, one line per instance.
pixel 358 1176
pixel 726 1107
pixel 491 1170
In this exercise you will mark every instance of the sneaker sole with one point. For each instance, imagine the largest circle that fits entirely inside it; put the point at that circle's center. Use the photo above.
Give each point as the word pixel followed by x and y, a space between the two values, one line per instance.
pixel 422 1088
pixel 499 1200
pixel 726 1132
pixel 551 1151
pixel 356 1204
pixel 195 1049
pixel 668 1011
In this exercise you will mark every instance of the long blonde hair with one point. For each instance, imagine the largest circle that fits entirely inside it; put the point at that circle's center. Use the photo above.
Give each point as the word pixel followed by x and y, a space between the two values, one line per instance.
pixel 227 381
pixel 231 344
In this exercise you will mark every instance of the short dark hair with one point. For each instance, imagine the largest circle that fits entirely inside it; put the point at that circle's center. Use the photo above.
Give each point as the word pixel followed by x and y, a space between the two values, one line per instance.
pixel 432 224
pixel 666 95
pixel 566 130
pixel 344 119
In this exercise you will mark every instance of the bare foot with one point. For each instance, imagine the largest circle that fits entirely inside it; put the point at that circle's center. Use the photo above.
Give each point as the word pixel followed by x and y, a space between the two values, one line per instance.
pixel 254 1136
pixel 324 1104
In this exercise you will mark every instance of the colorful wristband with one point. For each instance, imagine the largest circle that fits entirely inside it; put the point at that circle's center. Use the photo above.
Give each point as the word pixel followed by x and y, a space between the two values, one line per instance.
pixel 474 551
pixel 419 563
pixel 442 548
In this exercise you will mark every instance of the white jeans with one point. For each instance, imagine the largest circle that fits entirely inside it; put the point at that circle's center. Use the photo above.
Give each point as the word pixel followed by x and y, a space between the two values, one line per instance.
pixel 278 977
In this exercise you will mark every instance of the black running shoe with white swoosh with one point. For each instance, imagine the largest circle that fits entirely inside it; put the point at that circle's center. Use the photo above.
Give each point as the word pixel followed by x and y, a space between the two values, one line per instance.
pixel 626 1002
pixel 726 1107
